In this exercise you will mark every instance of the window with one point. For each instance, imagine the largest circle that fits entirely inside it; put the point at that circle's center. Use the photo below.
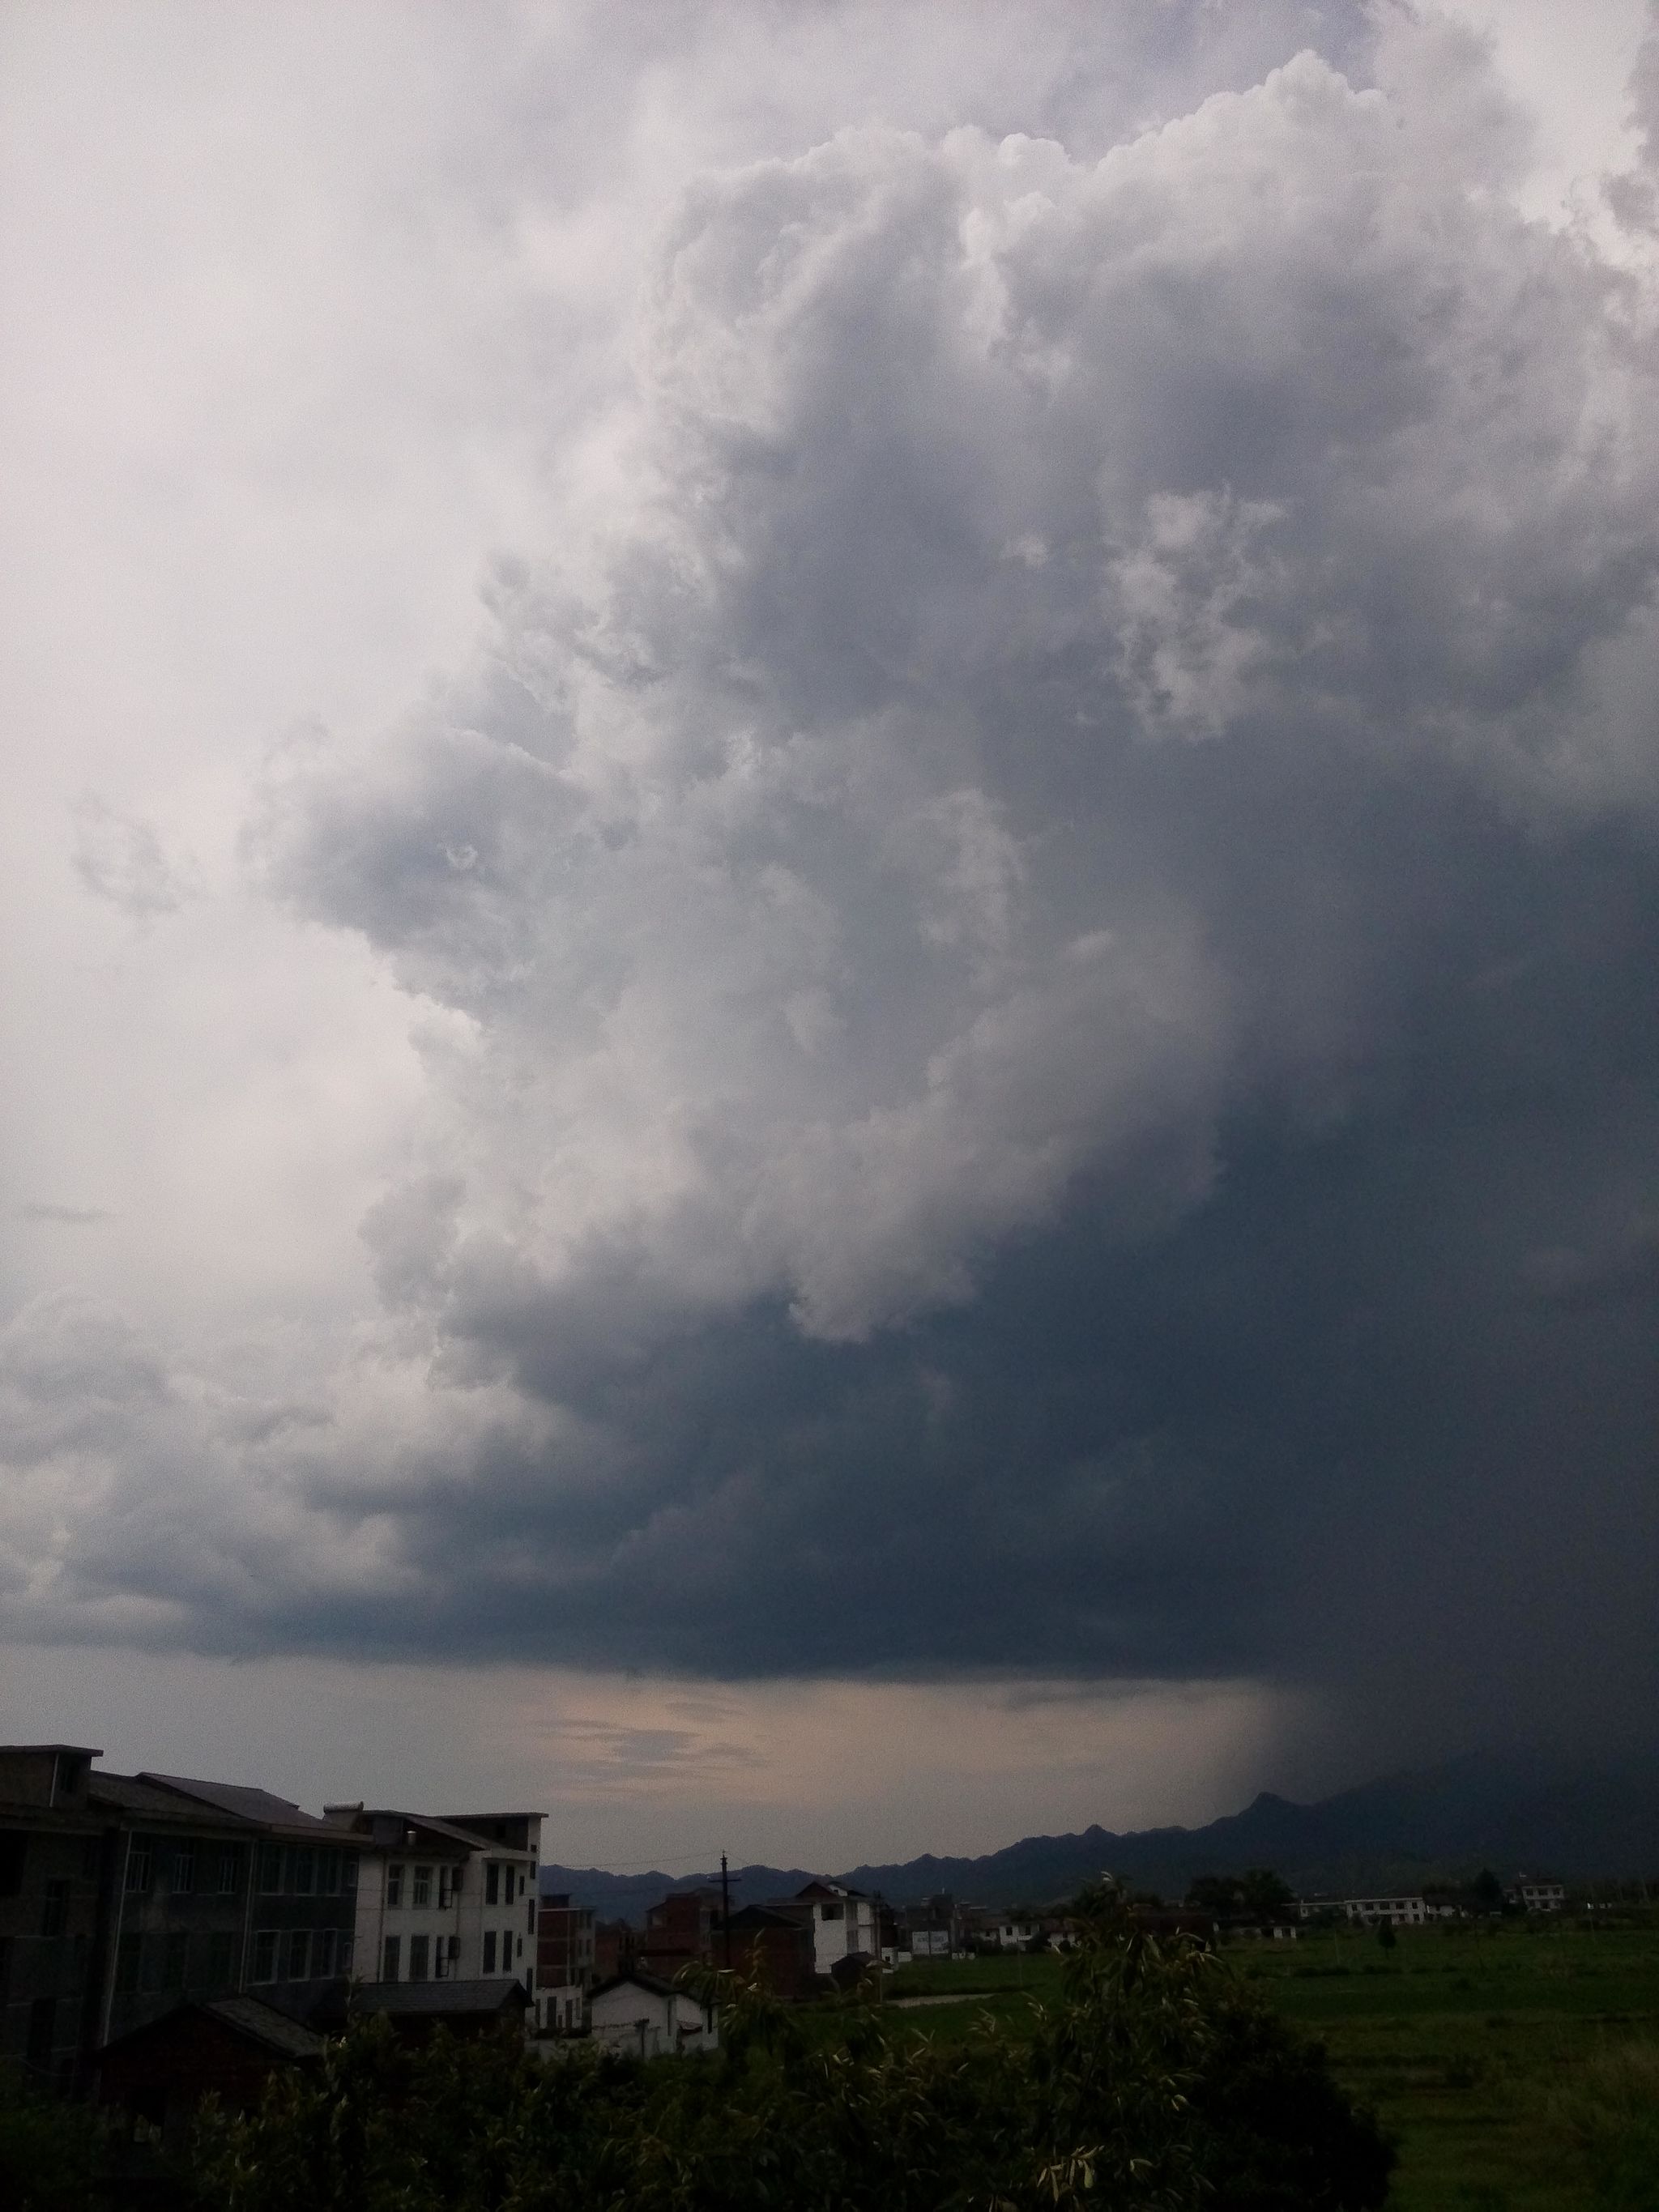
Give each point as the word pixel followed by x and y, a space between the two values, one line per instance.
pixel 492 1883
pixel 141 1862
pixel 5 1968
pixel 14 1849
pixel 297 1967
pixel 348 1871
pixel 394 1885
pixel 184 1868
pixel 219 1959
pixel 54 1909
pixel 322 1953
pixel 392 1959
pixel 343 1952
pixel 270 1869
pixel 830 1912
pixel 302 1870
pixel 43 2033
pixel 422 1886
pixel 175 1953
pixel 529 1917
pixel 490 1951
pixel 128 1956
pixel 418 1949
pixel 328 1874
pixel 229 1870
pixel 265 1956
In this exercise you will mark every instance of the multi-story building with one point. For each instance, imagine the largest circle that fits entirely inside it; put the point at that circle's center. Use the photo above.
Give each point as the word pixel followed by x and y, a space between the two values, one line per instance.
pixel 123 1896
pixel 444 1896
pixel 680 1931
pixel 565 1960
pixel 845 1923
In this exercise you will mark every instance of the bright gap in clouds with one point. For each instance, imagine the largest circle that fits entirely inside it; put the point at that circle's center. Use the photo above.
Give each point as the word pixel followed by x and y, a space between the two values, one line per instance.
pixel 826 1774
pixel 786 903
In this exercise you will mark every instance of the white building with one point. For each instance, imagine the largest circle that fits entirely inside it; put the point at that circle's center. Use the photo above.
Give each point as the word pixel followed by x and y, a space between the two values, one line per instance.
pixel 1398 1912
pixel 444 1898
pixel 846 1923
pixel 636 2013
pixel 1537 1894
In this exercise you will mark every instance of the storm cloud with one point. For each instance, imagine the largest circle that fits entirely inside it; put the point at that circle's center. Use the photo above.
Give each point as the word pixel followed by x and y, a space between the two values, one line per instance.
pixel 1035 949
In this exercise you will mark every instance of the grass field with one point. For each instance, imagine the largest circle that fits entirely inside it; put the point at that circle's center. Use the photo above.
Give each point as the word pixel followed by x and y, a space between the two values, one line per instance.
pixel 1459 2038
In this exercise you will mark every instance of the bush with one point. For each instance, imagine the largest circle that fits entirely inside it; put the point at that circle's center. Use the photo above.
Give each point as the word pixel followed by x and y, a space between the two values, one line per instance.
pixel 1156 2084
pixel 1607 2112
pixel 50 2151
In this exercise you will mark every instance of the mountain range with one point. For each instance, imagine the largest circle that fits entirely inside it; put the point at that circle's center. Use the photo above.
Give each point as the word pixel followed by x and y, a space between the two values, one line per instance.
pixel 1512 1811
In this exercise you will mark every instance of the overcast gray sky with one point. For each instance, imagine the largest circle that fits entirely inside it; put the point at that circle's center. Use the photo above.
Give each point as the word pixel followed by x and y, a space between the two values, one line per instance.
pixel 831 903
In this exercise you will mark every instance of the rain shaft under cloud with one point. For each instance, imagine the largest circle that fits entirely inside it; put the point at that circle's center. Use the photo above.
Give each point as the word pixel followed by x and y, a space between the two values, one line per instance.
pixel 1036 949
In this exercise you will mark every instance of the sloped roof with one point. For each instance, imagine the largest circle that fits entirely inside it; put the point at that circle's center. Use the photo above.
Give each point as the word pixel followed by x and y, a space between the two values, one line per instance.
pixel 636 1977
pixel 439 1997
pixel 430 1822
pixel 245 1803
pixel 246 2017
pixel 130 1793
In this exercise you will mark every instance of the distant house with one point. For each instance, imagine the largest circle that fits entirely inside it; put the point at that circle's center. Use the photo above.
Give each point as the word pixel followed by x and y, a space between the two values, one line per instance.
pixel 444 1898
pixel 615 1945
pixel 1016 1932
pixel 1402 1911
pixel 845 1924
pixel 641 2014
pixel 1535 1892
pixel 678 1932
pixel 776 1948
pixel 565 1969
pixel 932 1929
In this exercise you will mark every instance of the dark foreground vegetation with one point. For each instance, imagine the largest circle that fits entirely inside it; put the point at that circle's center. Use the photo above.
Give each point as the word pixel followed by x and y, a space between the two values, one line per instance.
pixel 1153 2082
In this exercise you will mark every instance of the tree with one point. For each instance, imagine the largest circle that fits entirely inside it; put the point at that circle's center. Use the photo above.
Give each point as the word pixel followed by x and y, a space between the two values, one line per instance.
pixel 1158 2080
pixel 1385 1934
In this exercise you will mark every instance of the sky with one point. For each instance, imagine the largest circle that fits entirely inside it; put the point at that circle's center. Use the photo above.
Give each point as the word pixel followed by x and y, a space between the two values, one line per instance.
pixel 830 895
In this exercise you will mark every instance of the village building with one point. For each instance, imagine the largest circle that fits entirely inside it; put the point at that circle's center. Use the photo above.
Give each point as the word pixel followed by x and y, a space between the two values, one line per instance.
pixel 124 1896
pixel 641 2014
pixel 444 1898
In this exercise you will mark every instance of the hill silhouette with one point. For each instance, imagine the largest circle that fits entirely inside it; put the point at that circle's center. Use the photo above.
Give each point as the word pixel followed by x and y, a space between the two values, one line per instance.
pixel 1512 1811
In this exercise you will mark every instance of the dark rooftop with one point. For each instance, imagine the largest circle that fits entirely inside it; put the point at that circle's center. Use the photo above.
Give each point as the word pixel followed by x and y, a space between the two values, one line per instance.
pixel 439 1997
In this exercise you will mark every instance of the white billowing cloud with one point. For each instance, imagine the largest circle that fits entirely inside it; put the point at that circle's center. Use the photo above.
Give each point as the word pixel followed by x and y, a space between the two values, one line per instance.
pixel 867 830
pixel 788 867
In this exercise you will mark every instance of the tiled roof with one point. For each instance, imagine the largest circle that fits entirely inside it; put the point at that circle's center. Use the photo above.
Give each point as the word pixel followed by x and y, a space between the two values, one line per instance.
pixel 265 2024
pixel 249 1804
pixel 127 1793
pixel 438 1997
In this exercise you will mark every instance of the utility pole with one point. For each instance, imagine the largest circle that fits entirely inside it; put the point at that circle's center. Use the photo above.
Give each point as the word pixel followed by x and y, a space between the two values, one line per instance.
pixel 726 1916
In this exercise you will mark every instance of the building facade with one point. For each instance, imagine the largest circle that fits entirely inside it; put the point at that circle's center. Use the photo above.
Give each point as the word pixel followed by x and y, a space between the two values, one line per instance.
pixel 123 1897
pixel 444 1898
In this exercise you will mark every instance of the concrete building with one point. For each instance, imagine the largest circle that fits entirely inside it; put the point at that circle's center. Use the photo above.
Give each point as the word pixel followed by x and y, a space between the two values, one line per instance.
pixel 444 1898
pixel 679 1931
pixel 1538 1892
pixel 124 1897
pixel 565 1962
pixel 845 1923
pixel 648 2018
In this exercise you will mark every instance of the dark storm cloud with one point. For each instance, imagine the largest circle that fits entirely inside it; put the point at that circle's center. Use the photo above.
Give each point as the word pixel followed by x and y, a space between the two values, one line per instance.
pixel 1040 945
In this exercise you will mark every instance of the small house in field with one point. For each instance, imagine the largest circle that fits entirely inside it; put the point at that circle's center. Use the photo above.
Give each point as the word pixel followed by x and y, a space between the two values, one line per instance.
pixel 640 2014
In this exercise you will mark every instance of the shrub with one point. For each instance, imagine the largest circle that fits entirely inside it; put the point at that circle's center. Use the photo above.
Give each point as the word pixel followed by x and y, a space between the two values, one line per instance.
pixel 1156 2083
pixel 1607 2112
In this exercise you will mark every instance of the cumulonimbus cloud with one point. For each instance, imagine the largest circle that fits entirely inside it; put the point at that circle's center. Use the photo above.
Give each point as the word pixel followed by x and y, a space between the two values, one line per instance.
pixel 1081 666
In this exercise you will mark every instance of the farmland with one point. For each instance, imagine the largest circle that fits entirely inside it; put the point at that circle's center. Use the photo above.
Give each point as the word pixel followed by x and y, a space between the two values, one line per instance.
pixel 1460 2037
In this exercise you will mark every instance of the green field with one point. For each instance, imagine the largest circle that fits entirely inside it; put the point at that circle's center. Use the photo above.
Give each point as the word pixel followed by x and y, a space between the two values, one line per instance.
pixel 1459 2038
